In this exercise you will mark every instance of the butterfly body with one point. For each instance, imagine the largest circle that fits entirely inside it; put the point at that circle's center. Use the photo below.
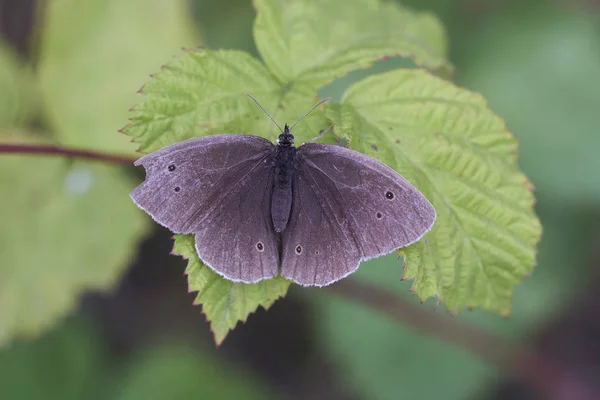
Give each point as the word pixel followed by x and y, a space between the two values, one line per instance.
pixel 284 159
pixel 259 209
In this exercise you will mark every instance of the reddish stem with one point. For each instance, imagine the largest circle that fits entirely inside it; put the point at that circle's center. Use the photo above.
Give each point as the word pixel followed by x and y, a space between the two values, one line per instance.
pixel 54 150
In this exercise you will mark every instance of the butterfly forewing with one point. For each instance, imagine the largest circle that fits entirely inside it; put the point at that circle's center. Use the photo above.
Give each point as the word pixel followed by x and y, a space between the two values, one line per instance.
pixel 216 187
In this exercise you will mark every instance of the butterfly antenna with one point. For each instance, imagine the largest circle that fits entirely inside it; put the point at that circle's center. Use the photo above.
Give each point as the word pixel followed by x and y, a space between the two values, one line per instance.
pixel 265 111
pixel 311 110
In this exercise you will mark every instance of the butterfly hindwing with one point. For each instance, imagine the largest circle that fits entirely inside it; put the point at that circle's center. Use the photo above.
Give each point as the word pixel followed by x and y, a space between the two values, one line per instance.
pixel 238 240
pixel 319 247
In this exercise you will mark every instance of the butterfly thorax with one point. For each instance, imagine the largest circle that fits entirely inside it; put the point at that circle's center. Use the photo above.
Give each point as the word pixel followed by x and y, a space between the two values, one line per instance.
pixel 285 167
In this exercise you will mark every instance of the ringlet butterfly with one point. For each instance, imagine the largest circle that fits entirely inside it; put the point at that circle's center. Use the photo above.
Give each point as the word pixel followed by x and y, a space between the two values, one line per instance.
pixel 311 213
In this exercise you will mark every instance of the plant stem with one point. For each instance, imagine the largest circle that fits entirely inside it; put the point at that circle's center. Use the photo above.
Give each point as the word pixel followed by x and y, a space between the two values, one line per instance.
pixel 533 369
pixel 55 150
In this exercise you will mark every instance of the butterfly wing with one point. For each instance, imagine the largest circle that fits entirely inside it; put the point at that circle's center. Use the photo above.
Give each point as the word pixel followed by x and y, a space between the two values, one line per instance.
pixel 318 246
pixel 219 188
pixel 347 208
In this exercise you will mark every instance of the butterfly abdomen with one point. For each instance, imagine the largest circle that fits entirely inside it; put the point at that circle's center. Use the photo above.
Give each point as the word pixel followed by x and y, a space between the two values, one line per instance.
pixel 281 203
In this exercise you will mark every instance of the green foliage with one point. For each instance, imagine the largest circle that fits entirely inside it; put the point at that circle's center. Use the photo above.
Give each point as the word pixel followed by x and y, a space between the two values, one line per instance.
pixel 533 68
pixel 538 69
pixel 69 226
pixel 95 54
pixel 310 43
pixel 225 302
pixel 457 152
pixel 442 138
pixel 69 229
pixel 203 92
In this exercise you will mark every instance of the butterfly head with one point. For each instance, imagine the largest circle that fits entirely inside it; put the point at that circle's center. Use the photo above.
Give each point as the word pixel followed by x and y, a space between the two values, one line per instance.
pixel 286 139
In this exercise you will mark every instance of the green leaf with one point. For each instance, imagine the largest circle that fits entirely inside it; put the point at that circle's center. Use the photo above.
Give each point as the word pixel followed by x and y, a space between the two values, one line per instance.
pixel 458 153
pixel 67 226
pixel 225 302
pixel 18 97
pixel 95 55
pixel 203 92
pixel 442 138
pixel 311 43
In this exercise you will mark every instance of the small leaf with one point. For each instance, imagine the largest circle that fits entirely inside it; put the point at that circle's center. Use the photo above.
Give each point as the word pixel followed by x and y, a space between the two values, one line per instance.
pixel 95 54
pixel 315 42
pixel 458 153
pixel 225 302
pixel 67 226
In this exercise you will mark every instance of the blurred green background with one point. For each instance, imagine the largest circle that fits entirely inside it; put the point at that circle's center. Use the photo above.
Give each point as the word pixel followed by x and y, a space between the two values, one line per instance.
pixel 69 70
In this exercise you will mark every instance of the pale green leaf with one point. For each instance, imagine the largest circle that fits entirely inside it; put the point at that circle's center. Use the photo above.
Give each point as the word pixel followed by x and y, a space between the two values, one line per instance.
pixel 204 92
pixel 95 54
pixel 67 227
pixel 442 138
pixel 458 153
pixel 18 100
pixel 225 302
pixel 313 42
